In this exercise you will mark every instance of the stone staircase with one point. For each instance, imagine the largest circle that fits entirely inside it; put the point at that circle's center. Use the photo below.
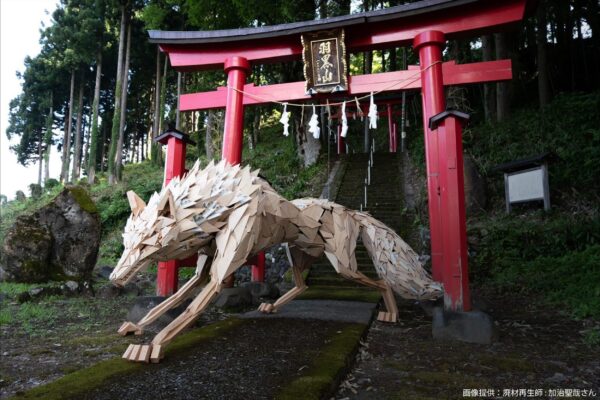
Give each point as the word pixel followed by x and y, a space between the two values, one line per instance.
pixel 384 202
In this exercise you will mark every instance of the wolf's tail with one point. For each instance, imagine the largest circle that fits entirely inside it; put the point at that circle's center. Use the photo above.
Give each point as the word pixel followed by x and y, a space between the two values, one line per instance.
pixel 395 261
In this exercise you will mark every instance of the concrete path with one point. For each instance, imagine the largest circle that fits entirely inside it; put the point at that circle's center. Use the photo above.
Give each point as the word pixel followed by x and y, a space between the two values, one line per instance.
pixel 322 310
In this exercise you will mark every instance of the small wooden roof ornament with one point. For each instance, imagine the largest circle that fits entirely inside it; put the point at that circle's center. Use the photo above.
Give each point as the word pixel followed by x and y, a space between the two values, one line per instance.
pixel 172 132
pixel 438 118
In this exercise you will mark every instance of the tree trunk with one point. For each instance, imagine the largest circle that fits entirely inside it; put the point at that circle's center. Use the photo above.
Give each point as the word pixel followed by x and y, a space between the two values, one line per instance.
pixel 208 142
pixel 64 174
pixel 502 88
pixel 163 98
pixel 122 119
pixel 104 127
pixel 489 92
pixel 48 140
pixel 117 112
pixel 94 129
pixel 155 153
pixel 40 159
pixel 177 112
pixel 77 150
pixel 393 60
pixel 256 126
pixel 323 9
pixel 542 56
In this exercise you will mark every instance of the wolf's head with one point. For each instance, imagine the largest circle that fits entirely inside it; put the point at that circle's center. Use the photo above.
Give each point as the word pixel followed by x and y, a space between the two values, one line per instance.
pixel 137 239
pixel 183 218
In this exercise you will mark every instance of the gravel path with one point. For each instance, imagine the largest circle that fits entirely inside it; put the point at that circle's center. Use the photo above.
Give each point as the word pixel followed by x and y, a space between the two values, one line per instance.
pixel 239 364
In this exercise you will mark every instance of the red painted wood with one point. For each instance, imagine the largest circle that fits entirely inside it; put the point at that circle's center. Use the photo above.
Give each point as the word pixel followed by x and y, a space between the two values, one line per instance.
pixel 453 216
pixel 167 278
pixel 454 74
pixel 429 46
pixel 236 69
pixel 482 17
pixel 258 267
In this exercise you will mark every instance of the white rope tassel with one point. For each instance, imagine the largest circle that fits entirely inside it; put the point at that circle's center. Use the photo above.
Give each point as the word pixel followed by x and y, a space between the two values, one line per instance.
pixel 314 124
pixel 372 114
pixel 285 120
pixel 344 121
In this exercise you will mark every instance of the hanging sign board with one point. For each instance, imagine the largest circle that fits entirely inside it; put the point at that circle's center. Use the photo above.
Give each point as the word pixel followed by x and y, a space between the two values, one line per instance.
pixel 324 56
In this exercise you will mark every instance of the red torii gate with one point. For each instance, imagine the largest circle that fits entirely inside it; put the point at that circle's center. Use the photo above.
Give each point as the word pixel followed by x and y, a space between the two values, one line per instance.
pixel 426 25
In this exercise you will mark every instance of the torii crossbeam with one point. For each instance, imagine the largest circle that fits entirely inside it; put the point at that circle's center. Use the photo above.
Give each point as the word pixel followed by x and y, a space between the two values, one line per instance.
pixel 426 25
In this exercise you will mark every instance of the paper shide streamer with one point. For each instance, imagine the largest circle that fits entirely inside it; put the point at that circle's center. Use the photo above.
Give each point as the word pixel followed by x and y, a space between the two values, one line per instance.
pixel 285 120
pixel 313 124
pixel 344 121
pixel 372 114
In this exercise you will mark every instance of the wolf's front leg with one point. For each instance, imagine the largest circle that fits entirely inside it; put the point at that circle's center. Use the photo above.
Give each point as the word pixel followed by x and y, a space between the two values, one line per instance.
pixel 230 255
pixel 153 351
pixel 175 300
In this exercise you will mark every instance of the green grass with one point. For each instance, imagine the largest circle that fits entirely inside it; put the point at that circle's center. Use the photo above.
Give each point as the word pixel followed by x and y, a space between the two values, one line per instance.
pixel 322 377
pixel 13 289
pixel 76 384
pixel 6 316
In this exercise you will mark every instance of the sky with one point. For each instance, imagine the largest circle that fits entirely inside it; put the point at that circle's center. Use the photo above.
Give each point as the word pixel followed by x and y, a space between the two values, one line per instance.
pixel 20 22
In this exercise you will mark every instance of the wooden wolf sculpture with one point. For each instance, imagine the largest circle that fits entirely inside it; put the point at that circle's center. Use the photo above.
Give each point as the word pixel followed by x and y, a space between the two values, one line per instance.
pixel 229 213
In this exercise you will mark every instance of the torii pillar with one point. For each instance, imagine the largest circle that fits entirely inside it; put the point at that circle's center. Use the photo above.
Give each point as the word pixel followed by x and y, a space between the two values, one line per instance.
pixel 237 69
pixel 445 185
pixel 176 141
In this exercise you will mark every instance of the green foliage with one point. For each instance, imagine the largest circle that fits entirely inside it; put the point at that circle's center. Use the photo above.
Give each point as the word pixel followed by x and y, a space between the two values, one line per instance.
pixel 12 209
pixel 35 190
pixel 111 200
pixel 592 336
pixel 569 127
pixel 51 183
pixel 278 161
pixel 555 256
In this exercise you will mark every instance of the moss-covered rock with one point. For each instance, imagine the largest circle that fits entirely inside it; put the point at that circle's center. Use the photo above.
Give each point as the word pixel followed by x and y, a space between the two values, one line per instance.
pixel 59 241
pixel 26 251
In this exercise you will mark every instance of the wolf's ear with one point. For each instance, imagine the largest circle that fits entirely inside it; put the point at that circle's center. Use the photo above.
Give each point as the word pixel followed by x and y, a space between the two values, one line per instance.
pixel 135 202
pixel 166 204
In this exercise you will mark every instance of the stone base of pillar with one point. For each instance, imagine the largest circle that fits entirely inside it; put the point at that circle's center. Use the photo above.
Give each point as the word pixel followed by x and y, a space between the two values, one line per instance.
pixel 471 327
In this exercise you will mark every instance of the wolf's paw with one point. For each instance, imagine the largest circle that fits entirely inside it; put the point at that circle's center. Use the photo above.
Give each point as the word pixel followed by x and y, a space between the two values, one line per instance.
pixel 266 308
pixel 385 316
pixel 129 327
pixel 143 353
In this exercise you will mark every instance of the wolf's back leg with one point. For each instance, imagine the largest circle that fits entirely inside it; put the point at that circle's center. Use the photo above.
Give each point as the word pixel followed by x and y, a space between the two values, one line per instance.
pixel 175 300
pixel 391 313
pixel 300 261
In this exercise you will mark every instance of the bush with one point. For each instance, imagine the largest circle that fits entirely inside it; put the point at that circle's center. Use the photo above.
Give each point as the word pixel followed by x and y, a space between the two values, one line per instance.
pixel 555 255
pixel 51 183
pixel 35 190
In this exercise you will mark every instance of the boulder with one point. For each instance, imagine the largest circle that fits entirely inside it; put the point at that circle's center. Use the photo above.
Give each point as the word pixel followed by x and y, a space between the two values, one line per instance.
pixel 74 222
pixel 27 252
pixel 59 241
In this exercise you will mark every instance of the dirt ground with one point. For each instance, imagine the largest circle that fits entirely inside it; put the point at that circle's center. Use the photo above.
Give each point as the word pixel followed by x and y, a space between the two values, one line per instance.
pixel 251 361
pixel 538 350
pixel 65 335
